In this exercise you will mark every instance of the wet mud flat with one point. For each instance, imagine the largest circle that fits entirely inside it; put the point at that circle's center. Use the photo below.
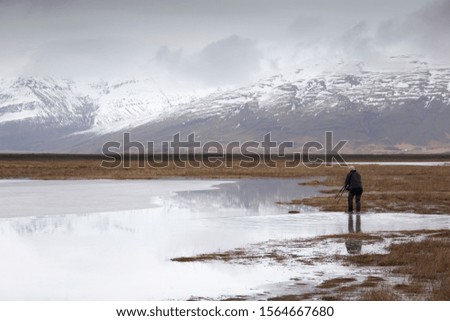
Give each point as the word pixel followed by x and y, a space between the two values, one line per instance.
pixel 404 265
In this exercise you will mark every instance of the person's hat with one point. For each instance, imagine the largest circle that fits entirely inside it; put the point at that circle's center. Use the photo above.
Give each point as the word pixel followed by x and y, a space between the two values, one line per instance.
pixel 351 168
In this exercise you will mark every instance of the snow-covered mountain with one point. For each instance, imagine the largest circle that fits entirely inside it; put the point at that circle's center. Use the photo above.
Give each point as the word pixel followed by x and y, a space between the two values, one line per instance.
pixel 35 112
pixel 382 110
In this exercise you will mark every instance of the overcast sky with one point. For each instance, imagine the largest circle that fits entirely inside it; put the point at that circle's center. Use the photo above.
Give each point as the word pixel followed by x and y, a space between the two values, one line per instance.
pixel 212 43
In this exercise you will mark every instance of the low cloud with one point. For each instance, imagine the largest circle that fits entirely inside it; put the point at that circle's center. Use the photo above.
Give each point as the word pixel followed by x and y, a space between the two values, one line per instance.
pixel 229 61
pixel 204 44
pixel 425 31
pixel 91 57
pixel 357 43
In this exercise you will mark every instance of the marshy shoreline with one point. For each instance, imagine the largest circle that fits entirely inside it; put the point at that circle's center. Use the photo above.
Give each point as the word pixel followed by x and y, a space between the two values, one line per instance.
pixel 408 265
pixel 414 265
pixel 396 188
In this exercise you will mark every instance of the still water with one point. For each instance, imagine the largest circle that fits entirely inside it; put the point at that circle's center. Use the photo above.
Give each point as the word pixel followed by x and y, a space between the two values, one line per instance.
pixel 113 240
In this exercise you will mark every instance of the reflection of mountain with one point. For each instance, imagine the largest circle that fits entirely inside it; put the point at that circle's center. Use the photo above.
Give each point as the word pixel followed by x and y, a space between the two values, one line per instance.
pixel 388 110
pixel 65 224
pixel 27 226
pixel 250 194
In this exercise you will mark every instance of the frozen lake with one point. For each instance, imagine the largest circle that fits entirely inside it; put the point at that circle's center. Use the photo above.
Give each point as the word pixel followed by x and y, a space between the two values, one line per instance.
pixel 113 240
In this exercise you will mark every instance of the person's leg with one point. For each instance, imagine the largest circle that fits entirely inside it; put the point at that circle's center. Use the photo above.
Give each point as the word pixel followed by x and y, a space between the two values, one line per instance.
pixel 358 201
pixel 350 202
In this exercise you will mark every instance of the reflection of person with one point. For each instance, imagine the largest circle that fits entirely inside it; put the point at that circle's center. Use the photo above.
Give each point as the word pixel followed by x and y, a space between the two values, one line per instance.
pixel 352 243
pixel 353 185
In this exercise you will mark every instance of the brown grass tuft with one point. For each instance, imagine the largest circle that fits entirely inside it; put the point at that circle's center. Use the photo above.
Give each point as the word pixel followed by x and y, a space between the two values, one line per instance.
pixel 290 297
pixel 416 288
pixel 380 295
pixel 332 283
pixel 371 282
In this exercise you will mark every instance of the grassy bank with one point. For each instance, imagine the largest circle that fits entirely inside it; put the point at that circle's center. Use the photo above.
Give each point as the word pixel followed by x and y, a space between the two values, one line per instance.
pixel 417 189
pixel 425 266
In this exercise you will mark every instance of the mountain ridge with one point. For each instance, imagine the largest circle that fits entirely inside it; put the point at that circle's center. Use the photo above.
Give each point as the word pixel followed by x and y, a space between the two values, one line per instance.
pixel 388 110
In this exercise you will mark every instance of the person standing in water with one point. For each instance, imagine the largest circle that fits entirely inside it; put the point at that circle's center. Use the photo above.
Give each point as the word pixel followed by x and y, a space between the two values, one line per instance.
pixel 353 185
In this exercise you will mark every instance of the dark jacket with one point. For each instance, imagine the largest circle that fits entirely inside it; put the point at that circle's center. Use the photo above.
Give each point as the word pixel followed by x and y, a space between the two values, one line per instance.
pixel 353 180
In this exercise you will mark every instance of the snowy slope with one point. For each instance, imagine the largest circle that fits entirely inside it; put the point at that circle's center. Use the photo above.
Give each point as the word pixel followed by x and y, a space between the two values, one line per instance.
pixel 35 110
pixel 45 101
pixel 388 107
pixel 371 91
pixel 105 106
pixel 383 110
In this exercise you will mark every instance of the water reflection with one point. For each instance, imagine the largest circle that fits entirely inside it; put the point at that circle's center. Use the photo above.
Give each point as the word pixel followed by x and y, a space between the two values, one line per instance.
pixel 353 245
pixel 129 231
pixel 64 224
pixel 253 196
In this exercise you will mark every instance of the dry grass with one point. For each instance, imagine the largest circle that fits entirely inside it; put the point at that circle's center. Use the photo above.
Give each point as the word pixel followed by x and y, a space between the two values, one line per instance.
pixel 380 295
pixel 418 189
pixel 332 283
pixel 237 256
pixel 425 263
pixel 410 288
pixel 226 256
pixel 428 259
pixel 91 169
pixel 236 298
pixel 353 236
pixel 290 297
pixel 330 298
pixel 372 281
